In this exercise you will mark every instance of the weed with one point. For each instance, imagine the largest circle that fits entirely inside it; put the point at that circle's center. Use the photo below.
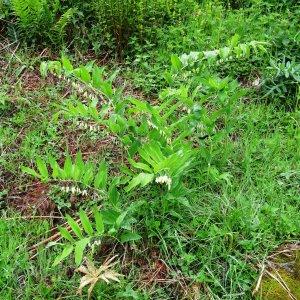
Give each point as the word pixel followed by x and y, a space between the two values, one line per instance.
pixel 201 175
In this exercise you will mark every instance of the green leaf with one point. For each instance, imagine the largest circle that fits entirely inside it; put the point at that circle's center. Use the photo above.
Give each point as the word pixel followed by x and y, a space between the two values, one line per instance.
pixel 75 227
pixel 86 224
pixel 67 64
pixel 151 153
pixel 44 69
pixel 130 237
pixel 55 67
pixel 99 221
pixel 42 168
pixel 114 196
pixel 84 74
pixel 120 219
pixel 113 76
pixel 76 173
pixel 110 216
pixel 97 77
pixel 55 167
pixel 30 172
pixel 66 252
pixel 65 234
pixel 79 161
pixel 176 62
pixel 142 179
pixel 79 250
pixel 101 177
pixel 88 176
pixel 140 165
pixel 140 105
pixel 106 89
pixel 68 167
pixel 234 40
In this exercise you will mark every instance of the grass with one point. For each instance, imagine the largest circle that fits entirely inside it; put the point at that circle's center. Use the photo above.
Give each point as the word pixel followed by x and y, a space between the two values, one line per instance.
pixel 239 202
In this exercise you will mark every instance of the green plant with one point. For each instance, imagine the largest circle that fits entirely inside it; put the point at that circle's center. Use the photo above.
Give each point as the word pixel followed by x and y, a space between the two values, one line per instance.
pixel 162 134
pixel 165 168
pixel 4 101
pixel 232 52
pixel 283 81
pixel 90 230
pixel 236 4
pixel 122 19
pixel 86 175
pixel 38 20
pixel 89 80
pixel 237 197
pixel 83 239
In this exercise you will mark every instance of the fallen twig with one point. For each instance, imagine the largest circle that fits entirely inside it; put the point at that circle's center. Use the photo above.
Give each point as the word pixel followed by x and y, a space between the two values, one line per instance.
pixel 258 284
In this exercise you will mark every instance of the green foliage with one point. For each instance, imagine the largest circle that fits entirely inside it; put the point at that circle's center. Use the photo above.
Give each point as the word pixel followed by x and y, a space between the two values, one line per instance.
pixel 162 134
pixel 89 231
pixel 164 168
pixel 111 22
pixel 236 4
pixel 90 78
pixel 121 19
pixel 83 237
pixel 204 163
pixel 283 82
pixel 4 103
pixel 233 51
pixel 77 171
pixel 272 4
pixel 41 20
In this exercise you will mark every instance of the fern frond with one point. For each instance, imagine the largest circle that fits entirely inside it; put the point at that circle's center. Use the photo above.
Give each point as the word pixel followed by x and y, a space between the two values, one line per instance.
pixel 28 12
pixel 58 30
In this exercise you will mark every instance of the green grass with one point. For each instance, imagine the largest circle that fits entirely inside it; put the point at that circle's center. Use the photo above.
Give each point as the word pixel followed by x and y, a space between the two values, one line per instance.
pixel 239 201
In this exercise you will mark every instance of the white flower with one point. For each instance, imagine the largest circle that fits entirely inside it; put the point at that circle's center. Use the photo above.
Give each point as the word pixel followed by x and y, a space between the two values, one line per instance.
pixel 164 180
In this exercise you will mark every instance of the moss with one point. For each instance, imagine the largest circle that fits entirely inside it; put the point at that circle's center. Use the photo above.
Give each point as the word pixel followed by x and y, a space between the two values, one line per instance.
pixel 297 266
pixel 272 290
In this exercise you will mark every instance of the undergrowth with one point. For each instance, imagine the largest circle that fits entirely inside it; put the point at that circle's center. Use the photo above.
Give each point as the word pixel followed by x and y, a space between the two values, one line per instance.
pixel 171 175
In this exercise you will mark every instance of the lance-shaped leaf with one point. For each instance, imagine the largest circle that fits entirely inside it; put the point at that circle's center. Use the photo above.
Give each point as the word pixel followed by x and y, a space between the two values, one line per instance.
pixel 42 167
pixel 86 224
pixel 142 179
pixel 79 250
pixel 74 226
pixel 66 252
pixel 99 221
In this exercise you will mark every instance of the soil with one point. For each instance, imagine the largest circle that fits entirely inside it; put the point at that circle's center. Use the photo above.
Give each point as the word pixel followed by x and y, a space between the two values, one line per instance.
pixel 34 201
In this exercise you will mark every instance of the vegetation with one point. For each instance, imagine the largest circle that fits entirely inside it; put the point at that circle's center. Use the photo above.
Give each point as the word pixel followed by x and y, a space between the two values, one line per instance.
pixel 149 149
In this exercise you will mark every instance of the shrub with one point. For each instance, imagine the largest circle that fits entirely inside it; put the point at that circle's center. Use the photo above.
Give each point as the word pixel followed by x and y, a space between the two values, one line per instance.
pixel 270 4
pixel 41 20
pixel 283 82
pixel 121 19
